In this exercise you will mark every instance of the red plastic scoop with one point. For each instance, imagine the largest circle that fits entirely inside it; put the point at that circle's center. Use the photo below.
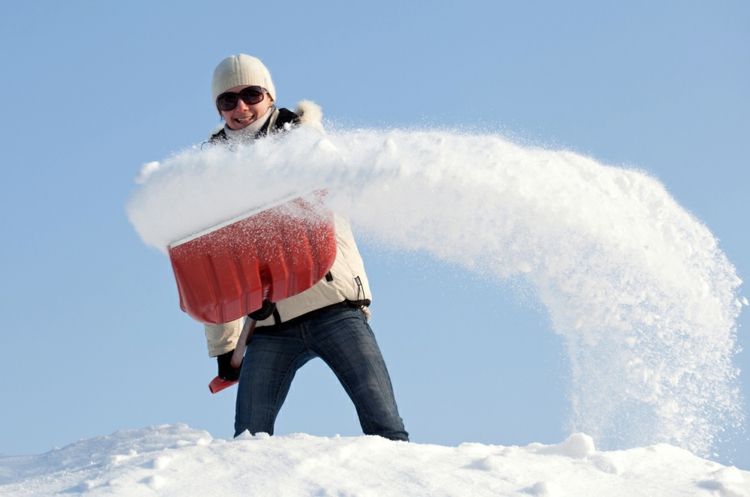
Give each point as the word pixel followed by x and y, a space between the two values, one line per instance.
pixel 225 272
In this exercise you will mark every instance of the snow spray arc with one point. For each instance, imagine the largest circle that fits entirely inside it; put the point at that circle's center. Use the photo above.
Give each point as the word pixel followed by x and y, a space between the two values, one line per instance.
pixel 646 301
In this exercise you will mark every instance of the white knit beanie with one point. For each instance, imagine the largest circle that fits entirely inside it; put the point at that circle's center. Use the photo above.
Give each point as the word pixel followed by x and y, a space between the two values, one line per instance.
pixel 241 70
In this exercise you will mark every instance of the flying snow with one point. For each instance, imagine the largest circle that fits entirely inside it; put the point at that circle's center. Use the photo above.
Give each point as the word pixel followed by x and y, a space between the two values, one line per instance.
pixel 644 298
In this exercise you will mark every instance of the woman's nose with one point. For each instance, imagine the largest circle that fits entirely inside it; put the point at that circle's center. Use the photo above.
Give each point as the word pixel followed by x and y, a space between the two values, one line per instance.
pixel 241 105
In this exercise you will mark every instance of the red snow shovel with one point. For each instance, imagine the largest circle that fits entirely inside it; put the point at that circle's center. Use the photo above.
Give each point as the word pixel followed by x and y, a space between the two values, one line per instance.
pixel 273 253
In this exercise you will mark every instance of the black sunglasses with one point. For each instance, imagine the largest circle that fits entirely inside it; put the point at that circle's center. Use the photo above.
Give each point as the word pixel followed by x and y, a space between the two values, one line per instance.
pixel 250 95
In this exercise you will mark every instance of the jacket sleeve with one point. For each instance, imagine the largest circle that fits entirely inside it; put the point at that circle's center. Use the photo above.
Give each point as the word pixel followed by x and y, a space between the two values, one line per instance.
pixel 222 338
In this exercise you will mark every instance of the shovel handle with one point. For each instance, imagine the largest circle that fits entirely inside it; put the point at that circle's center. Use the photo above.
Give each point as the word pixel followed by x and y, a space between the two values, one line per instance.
pixel 218 384
pixel 239 350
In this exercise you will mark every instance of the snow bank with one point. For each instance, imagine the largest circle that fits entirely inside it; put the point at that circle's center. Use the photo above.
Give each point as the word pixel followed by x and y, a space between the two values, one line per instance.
pixel 177 460
pixel 639 289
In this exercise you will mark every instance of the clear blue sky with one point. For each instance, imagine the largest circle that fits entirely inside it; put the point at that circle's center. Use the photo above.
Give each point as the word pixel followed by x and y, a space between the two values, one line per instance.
pixel 93 339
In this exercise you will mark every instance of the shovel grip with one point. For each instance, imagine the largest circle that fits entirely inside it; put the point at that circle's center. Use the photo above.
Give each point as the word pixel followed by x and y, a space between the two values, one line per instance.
pixel 219 384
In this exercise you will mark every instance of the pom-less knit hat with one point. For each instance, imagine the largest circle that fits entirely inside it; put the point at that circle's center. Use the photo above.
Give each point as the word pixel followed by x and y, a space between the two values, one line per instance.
pixel 241 70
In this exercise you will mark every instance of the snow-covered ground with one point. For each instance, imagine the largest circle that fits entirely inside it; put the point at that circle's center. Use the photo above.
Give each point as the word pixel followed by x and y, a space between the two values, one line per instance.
pixel 178 460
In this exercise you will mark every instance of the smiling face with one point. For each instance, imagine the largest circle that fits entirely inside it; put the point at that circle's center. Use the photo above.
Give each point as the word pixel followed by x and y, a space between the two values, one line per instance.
pixel 243 115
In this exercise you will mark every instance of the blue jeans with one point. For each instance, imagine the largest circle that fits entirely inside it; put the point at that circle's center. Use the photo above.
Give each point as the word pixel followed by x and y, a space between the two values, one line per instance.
pixel 344 340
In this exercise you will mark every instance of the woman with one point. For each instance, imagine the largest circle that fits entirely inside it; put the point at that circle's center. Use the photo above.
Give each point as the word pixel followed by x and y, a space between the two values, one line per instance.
pixel 328 320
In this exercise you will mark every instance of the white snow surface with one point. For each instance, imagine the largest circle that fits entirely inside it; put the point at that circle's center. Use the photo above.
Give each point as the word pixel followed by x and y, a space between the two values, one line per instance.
pixel 178 460
pixel 638 288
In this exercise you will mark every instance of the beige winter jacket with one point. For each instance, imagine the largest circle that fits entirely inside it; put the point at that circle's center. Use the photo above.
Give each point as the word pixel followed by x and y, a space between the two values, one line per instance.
pixel 347 281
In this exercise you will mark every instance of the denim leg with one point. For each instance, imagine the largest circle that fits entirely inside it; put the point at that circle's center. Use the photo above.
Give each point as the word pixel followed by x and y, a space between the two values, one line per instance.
pixel 268 369
pixel 344 340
